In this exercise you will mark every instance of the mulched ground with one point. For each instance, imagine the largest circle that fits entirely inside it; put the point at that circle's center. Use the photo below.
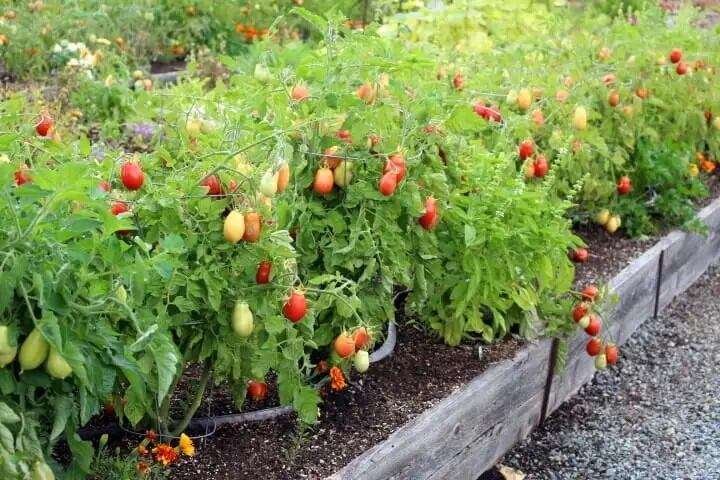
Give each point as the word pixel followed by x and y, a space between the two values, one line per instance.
pixel 422 371
pixel 655 416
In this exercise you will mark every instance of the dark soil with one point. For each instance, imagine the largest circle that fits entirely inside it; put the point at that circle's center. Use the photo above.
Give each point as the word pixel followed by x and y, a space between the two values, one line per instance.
pixel 421 372
pixel 167 66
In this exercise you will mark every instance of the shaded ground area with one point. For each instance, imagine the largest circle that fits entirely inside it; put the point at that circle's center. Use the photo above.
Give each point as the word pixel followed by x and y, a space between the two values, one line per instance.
pixel 656 415
pixel 421 372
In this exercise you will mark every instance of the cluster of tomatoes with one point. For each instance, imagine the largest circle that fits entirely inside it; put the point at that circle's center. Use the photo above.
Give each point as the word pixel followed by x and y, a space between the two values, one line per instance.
pixel 535 165
pixel 582 313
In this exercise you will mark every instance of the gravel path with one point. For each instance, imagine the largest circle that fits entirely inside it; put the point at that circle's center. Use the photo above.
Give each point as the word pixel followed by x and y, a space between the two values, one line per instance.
pixel 654 416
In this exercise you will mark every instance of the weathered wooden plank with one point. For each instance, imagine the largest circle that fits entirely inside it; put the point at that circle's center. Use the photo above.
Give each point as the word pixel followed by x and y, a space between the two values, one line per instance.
pixel 466 432
pixel 689 255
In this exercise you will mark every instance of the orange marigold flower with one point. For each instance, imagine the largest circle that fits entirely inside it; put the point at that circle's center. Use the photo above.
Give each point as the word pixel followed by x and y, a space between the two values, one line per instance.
pixel 142 450
pixel 165 454
pixel 337 379
pixel 143 468
pixel 186 445
pixel 151 435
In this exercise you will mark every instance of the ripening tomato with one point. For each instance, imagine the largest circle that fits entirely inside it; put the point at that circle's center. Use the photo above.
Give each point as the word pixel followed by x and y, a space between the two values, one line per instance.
pixel 526 149
pixel 388 183
pixel 366 93
pixel 295 307
pixel 579 311
pixel 257 390
pixel 212 183
pixel 330 157
pixel 430 218
pixel 300 93
pixel 612 353
pixel 361 337
pixel 116 208
pixel 44 125
pixel 324 181
pixel 131 175
pixel 614 98
pixel 579 255
pixel 252 227
pixel 590 292
pixel 263 272
pixel 344 345
pixel 594 326
pixel 105 186
pixel 283 177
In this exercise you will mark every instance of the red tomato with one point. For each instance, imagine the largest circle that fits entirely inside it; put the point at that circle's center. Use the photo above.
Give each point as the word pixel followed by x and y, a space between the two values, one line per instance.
pixel 624 185
pixel 116 208
pixel 595 325
pixel 579 255
pixel 295 307
pixel 257 390
pixel 579 311
pixel 541 166
pixel 213 185
pixel 681 68
pixel 396 164
pixel 594 346
pixel 131 175
pixel 44 125
pixel 344 135
pixel 430 218
pixel 388 183
pixel 263 272
pixel 22 176
pixel 300 93
pixel 675 55
pixel 526 149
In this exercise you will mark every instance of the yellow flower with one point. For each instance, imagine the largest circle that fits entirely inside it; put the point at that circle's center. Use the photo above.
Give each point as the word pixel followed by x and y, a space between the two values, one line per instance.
pixel 186 445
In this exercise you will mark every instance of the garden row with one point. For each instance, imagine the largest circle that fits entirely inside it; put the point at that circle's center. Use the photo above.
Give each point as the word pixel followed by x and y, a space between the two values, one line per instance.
pixel 268 223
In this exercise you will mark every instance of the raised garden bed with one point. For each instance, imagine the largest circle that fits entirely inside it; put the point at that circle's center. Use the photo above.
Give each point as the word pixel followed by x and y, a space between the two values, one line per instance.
pixel 468 431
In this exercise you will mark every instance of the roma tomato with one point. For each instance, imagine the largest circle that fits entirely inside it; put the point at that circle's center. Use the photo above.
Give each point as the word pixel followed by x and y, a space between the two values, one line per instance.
pixel 526 149
pixel 116 208
pixel 344 345
pixel 263 272
pixel 22 175
pixel 324 181
pixel 388 183
pixel 541 166
pixel 44 125
pixel 590 292
pixel 396 163
pixel 257 390
pixel 594 326
pixel 579 311
pixel 361 337
pixel 430 217
pixel 212 183
pixel 612 353
pixel 132 176
pixel 295 307
pixel 283 177
pixel 252 227
pixel 594 346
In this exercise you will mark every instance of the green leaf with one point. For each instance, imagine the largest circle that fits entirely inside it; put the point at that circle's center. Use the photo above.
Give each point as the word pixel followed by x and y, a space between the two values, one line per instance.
pixel 63 408
pixel 7 415
pixel 167 360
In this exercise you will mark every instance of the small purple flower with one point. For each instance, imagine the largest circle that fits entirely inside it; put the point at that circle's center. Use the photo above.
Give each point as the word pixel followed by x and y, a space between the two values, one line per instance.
pixel 144 130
